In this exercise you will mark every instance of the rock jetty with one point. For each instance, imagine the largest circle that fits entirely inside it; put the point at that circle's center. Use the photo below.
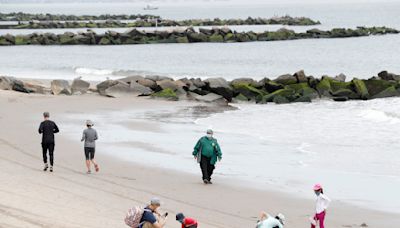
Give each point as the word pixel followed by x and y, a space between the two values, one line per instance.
pixel 20 16
pixel 148 21
pixel 185 35
pixel 287 88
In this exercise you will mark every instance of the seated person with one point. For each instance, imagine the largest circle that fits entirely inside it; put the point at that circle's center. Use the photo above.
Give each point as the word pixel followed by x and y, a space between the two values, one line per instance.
pixel 151 218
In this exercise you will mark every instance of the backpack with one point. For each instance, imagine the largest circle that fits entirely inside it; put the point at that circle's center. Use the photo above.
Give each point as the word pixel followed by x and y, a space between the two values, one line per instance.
pixel 133 217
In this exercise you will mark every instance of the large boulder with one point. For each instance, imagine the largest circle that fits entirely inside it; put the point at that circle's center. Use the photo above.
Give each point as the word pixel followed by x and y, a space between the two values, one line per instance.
pixel 156 78
pixel 79 86
pixel 148 83
pixel 248 91
pixel 6 83
pixel 198 82
pixel 241 81
pixel 350 94
pixel 375 86
pixel 286 79
pixel 134 78
pixel 167 84
pixel 120 89
pixel 324 87
pixel 101 87
pixel 11 83
pixel 304 90
pixel 168 94
pixel 60 87
pixel 289 94
pixel 361 89
pixel 340 78
pixel 36 87
pixel 300 76
pixel 140 89
pixel 271 86
pixel 209 98
pixel 388 92
pixel 388 76
pixel 280 100
pixel 220 86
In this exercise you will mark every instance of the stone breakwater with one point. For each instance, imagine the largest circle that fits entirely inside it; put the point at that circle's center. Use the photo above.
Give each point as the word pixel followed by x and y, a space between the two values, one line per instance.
pixel 288 88
pixel 20 16
pixel 147 21
pixel 184 35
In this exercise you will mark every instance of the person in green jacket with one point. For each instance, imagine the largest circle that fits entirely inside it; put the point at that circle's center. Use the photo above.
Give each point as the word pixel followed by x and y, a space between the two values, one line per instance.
pixel 207 152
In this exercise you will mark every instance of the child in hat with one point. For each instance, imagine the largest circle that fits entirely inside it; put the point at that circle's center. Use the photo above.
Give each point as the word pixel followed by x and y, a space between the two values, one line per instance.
pixel 322 204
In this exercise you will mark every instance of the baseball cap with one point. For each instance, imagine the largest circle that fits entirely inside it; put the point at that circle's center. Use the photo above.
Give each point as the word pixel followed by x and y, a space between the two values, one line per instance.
pixel 155 201
pixel 180 217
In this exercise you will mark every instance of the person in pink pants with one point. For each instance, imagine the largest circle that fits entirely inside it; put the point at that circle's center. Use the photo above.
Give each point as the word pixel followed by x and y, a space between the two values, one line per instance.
pixel 322 204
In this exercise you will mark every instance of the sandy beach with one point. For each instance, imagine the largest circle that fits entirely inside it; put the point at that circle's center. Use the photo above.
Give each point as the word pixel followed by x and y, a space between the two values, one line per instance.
pixel 70 198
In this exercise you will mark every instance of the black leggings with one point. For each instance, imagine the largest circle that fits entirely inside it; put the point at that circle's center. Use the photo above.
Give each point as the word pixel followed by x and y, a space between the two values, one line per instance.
pixel 50 148
pixel 206 168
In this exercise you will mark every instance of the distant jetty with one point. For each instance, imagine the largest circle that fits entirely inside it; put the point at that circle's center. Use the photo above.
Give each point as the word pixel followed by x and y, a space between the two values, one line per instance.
pixel 184 35
pixel 126 21
pixel 288 88
pixel 20 16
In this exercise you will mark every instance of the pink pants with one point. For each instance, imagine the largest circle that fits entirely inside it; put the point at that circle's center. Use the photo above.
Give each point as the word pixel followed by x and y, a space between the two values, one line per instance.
pixel 319 217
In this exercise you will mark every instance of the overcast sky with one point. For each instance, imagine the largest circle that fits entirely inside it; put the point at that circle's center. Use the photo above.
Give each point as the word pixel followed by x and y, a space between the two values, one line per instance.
pixel 197 1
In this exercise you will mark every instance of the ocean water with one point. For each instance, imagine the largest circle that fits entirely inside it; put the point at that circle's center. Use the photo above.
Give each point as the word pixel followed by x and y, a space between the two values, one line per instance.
pixel 351 148
pixel 355 57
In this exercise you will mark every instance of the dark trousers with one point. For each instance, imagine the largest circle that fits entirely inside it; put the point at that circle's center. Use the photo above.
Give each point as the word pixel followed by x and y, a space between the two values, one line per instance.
pixel 206 168
pixel 48 147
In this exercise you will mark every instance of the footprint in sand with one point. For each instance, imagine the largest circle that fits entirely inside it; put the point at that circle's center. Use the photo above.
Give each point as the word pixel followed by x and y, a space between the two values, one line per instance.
pixel 12 100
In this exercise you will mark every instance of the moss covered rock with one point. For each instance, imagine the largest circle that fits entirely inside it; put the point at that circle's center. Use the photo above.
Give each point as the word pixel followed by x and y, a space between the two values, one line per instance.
pixel 167 94
pixel 324 87
pixel 271 86
pixel 216 38
pixel 183 39
pixel 361 89
pixel 241 98
pixel 297 87
pixel 388 92
pixel 345 93
pixel 248 91
pixel 376 86
pixel 308 92
pixel 4 41
pixel 289 94
pixel 286 79
pixel 21 40
pixel 280 100
pixel 104 41
pixel 230 37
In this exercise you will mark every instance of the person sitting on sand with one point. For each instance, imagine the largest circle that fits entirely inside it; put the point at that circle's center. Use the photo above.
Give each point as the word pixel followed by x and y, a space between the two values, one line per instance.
pixel 267 221
pixel 90 136
pixel 185 221
pixel 48 128
pixel 207 151
pixel 151 217
pixel 320 207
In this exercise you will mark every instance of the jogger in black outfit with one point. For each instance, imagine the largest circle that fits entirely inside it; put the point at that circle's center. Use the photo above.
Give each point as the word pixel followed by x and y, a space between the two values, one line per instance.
pixel 47 128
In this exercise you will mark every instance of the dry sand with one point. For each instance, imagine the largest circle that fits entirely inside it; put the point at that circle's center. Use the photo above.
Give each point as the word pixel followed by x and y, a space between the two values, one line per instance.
pixel 68 197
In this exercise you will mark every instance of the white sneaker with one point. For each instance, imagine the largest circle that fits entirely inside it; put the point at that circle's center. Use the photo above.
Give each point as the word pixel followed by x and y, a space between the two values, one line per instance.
pixel 51 168
pixel 46 166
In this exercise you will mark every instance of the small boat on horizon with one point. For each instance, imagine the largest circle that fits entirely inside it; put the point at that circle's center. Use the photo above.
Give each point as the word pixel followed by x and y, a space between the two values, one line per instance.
pixel 149 7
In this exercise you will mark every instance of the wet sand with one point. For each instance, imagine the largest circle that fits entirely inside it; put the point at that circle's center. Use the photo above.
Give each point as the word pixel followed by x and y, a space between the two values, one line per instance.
pixel 70 198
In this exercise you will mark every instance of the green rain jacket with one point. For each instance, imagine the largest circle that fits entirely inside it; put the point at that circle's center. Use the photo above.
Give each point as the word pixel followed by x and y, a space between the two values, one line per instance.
pixel 209 148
